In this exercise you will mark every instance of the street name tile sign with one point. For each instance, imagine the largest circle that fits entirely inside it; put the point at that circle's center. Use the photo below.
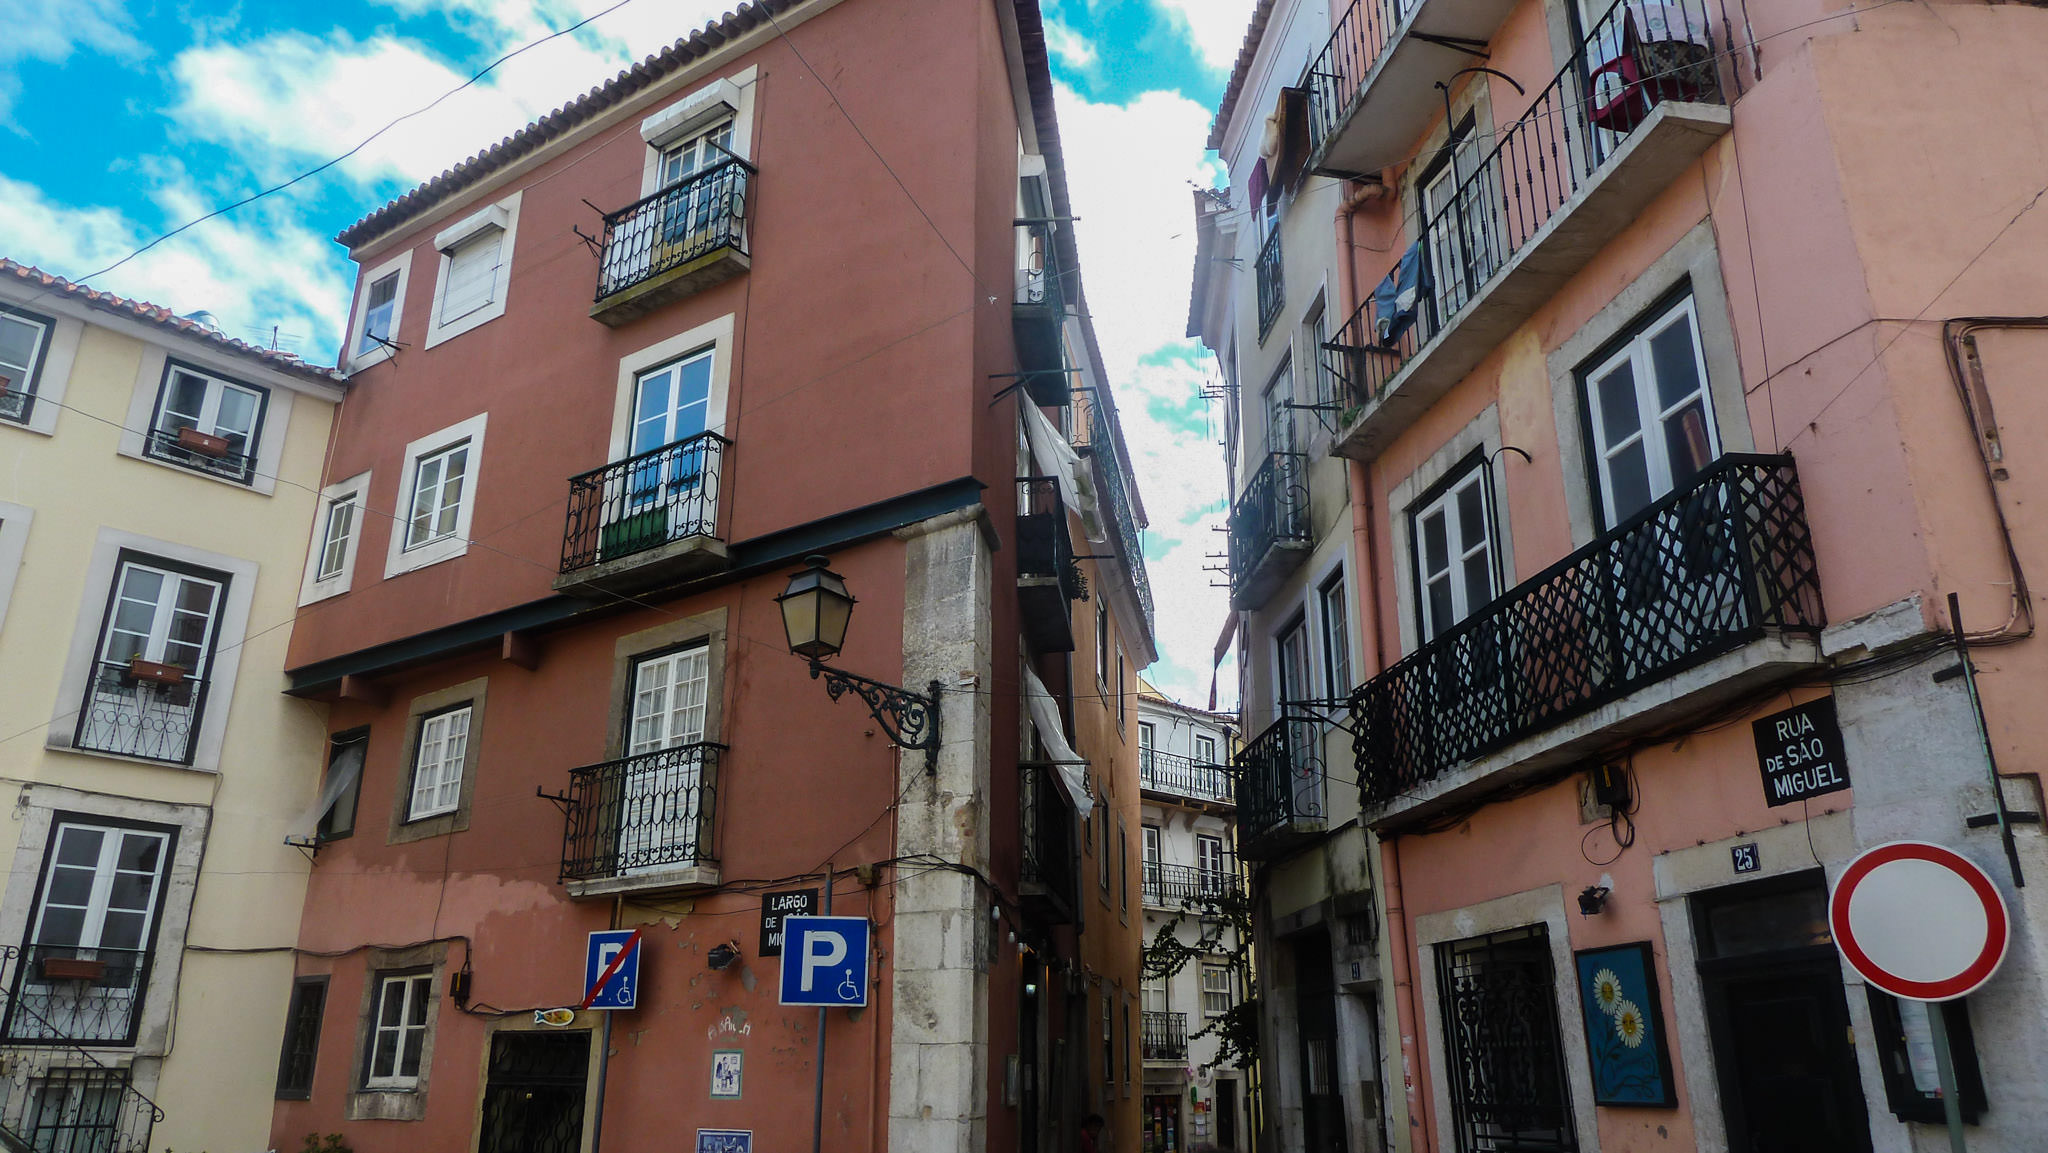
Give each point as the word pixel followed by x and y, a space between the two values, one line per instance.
pixel 1799 752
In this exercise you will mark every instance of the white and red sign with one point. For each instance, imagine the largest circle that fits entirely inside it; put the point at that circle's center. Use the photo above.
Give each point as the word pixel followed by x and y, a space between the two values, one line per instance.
pixel 1919 921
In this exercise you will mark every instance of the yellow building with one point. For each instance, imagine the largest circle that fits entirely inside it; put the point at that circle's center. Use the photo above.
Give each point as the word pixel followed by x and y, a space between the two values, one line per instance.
pixel 157 481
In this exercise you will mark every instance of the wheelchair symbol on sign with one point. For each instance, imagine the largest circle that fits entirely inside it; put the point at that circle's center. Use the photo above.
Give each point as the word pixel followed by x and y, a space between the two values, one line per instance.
pixel 848 991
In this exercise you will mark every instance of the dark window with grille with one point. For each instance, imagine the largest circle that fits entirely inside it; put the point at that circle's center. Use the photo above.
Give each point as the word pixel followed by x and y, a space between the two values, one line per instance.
pixel 533 1097
pixel 301 1039
pixel 1505 1061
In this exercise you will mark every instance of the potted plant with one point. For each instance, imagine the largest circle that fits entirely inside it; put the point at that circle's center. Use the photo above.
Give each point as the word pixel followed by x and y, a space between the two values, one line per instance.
pixel 72 969
pixel 155 671
pixel 202 443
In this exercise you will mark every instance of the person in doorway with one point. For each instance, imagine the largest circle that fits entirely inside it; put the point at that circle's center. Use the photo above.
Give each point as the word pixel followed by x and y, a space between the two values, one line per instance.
pixel 1091 1133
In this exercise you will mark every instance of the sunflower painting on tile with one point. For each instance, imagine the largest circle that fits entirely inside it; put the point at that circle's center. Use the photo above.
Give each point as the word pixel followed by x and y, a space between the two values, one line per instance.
pixel 1631 1065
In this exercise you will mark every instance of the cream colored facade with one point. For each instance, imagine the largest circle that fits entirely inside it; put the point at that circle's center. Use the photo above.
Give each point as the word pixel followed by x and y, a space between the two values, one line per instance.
pixel 84 496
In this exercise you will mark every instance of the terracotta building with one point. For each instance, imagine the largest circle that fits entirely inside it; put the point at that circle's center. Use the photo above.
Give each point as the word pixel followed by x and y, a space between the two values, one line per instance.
pixel 827 306
pixel 1677 372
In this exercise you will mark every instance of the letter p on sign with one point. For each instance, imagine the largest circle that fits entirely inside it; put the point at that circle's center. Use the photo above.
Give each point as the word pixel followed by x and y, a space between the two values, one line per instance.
pixel 825 961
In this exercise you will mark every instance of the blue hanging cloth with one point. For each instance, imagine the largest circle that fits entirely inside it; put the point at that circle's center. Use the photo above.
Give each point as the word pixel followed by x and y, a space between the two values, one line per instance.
pixel 1399 297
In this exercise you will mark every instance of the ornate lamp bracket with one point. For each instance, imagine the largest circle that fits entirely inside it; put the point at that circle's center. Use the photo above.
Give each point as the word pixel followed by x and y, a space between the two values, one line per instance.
pixel 909 720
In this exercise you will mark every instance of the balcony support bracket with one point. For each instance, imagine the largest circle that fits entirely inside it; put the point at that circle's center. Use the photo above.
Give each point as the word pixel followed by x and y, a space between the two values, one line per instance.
pixel 561 800
pixel 907 719
pixel 1470 47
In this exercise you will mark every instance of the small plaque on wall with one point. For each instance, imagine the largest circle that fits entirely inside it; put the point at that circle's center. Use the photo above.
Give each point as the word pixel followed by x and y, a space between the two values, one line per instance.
pixel 1799 752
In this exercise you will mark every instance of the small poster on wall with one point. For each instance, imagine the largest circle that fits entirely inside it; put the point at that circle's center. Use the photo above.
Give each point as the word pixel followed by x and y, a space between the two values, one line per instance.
pixel 725 1141
pixel 725 1074
pixel 1624 1026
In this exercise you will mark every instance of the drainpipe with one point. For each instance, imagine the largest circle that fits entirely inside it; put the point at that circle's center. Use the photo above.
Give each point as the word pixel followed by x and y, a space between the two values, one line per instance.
pixel 1406 1013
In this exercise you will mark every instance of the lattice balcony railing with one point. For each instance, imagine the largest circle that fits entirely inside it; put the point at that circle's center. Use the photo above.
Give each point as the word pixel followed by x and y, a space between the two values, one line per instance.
pixel 1703 571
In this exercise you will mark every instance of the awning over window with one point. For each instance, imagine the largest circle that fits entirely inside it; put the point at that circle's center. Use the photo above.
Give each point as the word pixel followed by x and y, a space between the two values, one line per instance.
pixel 1068 766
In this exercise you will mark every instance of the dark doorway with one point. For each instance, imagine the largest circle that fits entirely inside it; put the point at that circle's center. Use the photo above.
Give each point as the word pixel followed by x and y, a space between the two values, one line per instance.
pixel 1226 1114
pixel 1778 1019
pixel 533 1096
pixel 1315 999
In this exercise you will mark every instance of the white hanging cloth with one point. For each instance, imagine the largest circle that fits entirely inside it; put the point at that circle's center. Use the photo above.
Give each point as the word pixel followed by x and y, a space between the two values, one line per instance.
pixel 1054 457
pixel 1067 769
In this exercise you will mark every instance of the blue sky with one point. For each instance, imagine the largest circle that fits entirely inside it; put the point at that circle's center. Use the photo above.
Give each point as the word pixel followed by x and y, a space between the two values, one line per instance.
pixel 120 120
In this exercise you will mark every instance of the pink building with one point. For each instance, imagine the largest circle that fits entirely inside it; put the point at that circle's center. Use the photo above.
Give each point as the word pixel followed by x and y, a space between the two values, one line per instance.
pixel 1623 390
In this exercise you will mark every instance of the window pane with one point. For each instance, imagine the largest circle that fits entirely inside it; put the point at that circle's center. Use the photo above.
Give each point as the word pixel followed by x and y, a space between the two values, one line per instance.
pixel 80 847
pixel 415 1044
pixel 236 416
pixel 123 930
pixel 1617 398
pixel 1478 580
pixel 61 927
pixel 69 886
pixel 1436 552
pixel 140 852
pixel 1471 518
pixel 185 398
pixel 1629 477
pixel 384 1059
pixel 1441 612
pixel 422 989
pixel 392 1012
pixel 1673 363
pixel 1685 443
pixel 18 340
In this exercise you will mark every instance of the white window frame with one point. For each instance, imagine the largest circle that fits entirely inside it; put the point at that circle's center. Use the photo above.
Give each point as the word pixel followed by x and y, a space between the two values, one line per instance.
pixel 217 386
pixel 503 216
pixel 449 468
pixel 1200 757
pixel 399 266
pixel 413 988
pixel 399 559
pixel 53 376
pixel 1445 504
pixel 93 928
pixel 670 737
pixel 231 625
pixel 1335 633
pixel 312 587
pixel 32 372
pixel 448 732
pixel 729 97
pixel 1651 413
pixel 1228 992
pixel 714 336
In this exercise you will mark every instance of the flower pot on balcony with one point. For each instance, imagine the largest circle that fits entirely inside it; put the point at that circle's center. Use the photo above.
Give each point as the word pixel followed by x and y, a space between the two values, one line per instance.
pixel 204 444
pixel 155 672
pixel 633 532
pixel 71 969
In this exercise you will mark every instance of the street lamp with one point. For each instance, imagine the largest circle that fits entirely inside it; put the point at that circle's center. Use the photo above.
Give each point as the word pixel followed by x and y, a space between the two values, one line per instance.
pixel 816 608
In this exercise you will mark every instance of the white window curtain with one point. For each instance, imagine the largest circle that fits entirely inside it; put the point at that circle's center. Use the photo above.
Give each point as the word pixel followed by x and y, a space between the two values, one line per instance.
pixel 1045 714
pixel 1054 457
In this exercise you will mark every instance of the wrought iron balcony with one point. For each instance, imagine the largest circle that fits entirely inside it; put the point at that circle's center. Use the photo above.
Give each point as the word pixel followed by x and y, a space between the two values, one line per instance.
pixel 1038 316
pixel 1050 863
pixel 131 716
pixel 1702 572
pixel 1271 278
pixel 1280 788
pixel 642 822
pixel 186 449
pixel 1190 887
pixel 1048 577
pixel 1177 776
pixel 684 238
pixel 1632 109
pixel 1163 1036
pixel 1269 529
pixel 1109 473
pixel 56 1094
pixel 646 520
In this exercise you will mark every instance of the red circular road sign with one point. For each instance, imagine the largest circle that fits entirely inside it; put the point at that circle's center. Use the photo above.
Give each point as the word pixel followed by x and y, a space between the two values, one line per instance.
pixel 1919 921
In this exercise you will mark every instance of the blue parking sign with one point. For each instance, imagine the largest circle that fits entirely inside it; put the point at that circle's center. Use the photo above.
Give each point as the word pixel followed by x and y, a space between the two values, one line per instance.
pixel 825 961
pixel 611 970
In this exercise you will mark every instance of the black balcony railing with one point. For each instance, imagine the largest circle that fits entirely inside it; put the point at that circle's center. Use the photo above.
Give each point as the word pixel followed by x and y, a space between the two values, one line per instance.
pixel 1189 885
pixel 164 444
pixel 129 716
pixel 1280 786
pixel 1702 571
pixel 1272 509
pixel 1163 1036
pixel 1271 282
pixel 675 226
pixel 15 404
pixel 1046 817
pixel 644 814
pixel 1109 469
pixel 644 502
pixel 1338 71
pixel 55 1094
pixel 1162 772
pixel 1045 546
pixel 1619 72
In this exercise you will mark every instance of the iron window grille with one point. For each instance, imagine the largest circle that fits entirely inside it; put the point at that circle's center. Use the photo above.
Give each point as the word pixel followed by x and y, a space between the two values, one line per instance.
pixel 675 226
pixel 1699 573
pixel 644 502
pixel 534 1092
pixel 58 1106
pixel 1503 1052
pixel 301 1050
pixel 643 813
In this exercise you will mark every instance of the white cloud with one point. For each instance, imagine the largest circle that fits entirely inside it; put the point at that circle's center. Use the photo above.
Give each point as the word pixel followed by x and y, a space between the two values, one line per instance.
pixel 1132 169
pixel 51 30
pixel 252 271
pixel 1069 47
pixel 1217 27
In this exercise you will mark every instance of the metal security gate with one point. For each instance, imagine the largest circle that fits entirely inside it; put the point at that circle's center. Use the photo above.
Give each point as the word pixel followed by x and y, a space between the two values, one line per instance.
pixel 533 1098
pixel 1506 1067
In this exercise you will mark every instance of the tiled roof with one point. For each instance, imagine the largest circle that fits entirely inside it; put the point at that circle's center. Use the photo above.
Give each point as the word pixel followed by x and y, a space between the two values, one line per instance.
pixel 161 317
pixel 739 21
pixel 1262 12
